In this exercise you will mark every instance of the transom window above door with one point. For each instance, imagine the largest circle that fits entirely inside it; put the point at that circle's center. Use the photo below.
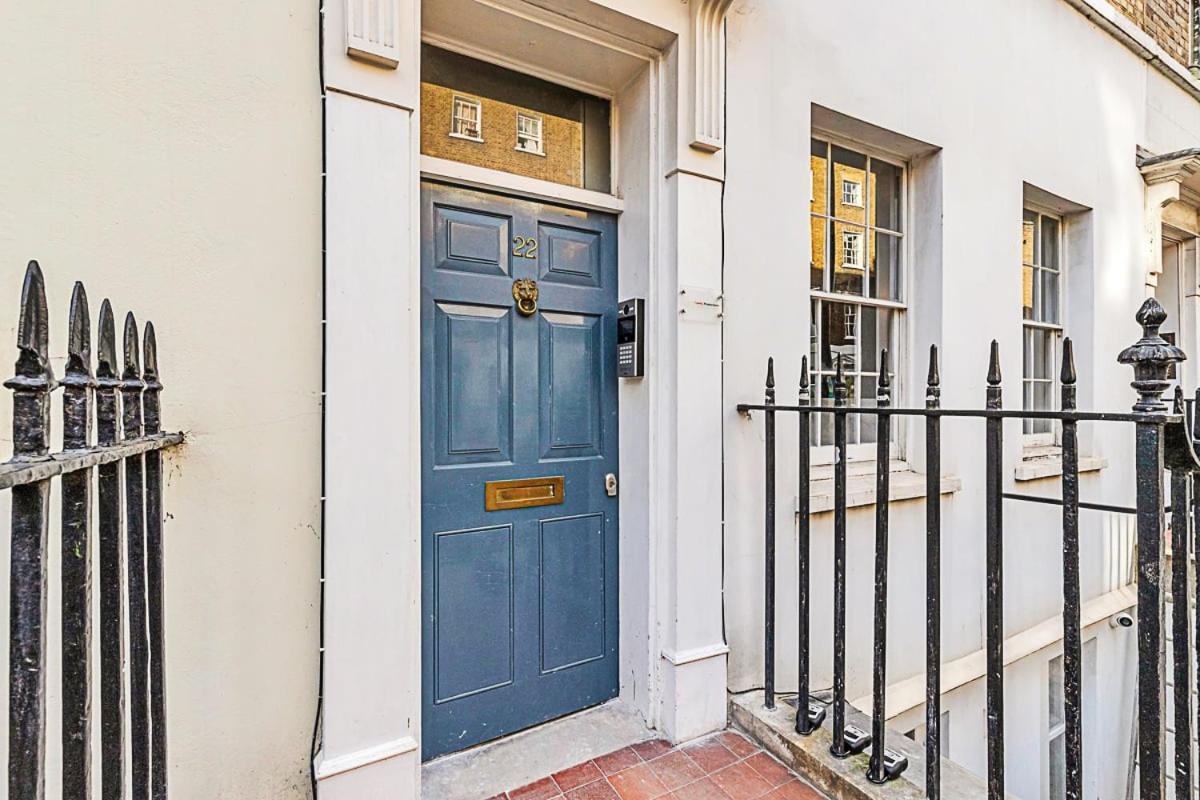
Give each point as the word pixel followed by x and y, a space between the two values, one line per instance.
pixel 856 268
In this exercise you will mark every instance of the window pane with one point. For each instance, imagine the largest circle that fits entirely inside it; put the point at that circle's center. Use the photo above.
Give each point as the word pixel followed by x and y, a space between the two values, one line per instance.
pixel 1055 691
pixel 875 333
pixel 849 258
pixel 884 263
pixel 1026 292
pixel 1039 353
pixel 839 333
pixel 885 189
pixel 1049 254
pixel 820 247
pixel 1058 767
pixel 820 169
pixel 868 424
pixel 847 166
pixel 1048 295
pixel 1029 238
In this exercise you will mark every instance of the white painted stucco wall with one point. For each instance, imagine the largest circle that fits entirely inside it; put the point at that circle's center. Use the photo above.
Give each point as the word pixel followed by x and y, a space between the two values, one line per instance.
pixel 169 156
pixel 1022 92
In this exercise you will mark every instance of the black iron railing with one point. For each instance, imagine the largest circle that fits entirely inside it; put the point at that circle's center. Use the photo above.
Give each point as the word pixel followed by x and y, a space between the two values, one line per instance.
pixel 1165 441
pixel 126 455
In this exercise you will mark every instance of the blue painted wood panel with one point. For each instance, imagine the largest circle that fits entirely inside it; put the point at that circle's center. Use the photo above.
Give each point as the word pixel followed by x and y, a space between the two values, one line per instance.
pixel 519 607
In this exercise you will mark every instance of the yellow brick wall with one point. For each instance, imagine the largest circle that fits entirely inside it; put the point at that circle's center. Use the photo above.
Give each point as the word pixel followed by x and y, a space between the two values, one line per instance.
pixel 562 139
pixel 1167 21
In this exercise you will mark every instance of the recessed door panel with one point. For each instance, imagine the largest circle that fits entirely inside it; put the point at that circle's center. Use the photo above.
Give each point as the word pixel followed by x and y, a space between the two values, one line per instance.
pixel 473 611
pixel 570 255
pixel 473 351
pixel 570 376
pixel 470 241
pixel 572 591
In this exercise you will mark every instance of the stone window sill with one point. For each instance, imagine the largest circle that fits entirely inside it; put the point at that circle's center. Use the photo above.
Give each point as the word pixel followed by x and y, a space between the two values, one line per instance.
pixel 1046 462
pixel 904 484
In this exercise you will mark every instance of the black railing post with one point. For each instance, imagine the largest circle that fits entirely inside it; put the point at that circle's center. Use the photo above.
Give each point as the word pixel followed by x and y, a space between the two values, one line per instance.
pixel 108 523
pixel 1180 627
pixel 77 559
pixel 1150 358
pixel 31 386
pixel 808 718
pixel 994 611
pixel 1072 653
pixel 135 543
pixel 1195 542
pixel 112 635
pixel 840 393
pixel 875 770
pixel 769 565
pixel 154 569
pixel 933 580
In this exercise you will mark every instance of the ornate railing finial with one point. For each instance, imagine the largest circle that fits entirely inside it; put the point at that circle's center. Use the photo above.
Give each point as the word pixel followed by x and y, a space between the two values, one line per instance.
pixel 841 392
pixel 883 387
pixel 933 382
pixel 805 395
pixel 993 377
pixel 770 394
pixel 1067 375
pixel 1151 358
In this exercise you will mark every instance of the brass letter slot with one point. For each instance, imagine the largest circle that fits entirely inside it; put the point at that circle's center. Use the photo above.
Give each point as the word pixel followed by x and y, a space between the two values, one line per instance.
pixel 523 493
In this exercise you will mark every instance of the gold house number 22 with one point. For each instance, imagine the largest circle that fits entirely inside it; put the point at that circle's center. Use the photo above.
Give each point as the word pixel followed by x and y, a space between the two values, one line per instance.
pixel 525 247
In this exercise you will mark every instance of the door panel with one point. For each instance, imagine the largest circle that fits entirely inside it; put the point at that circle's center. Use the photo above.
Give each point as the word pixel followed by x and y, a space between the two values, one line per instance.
pixel 569 385
pixel 482 560
pixel 473 354
pixel 572 590
pixel 519 605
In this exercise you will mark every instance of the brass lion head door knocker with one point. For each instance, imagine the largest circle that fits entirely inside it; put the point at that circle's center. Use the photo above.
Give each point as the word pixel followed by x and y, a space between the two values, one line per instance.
pixel 525 292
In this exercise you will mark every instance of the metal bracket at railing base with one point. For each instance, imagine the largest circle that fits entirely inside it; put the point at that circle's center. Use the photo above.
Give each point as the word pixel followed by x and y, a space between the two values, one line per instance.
pixel 894 765
pixel 807 723
pixel 854 741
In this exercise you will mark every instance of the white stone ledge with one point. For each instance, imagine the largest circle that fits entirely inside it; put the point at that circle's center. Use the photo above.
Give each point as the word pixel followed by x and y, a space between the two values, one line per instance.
pixel 1031 468
pixel 904 484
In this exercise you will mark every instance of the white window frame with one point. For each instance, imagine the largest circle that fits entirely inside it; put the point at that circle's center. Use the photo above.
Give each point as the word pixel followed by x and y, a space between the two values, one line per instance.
pixel 852 194
pixel 1051 438
pixel 462 101
pixel 540 150
pixel 898 353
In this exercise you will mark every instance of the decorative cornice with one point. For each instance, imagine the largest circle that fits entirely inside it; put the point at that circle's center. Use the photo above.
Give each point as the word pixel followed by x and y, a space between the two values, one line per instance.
pixel 708 73
pixel 1178 166
pixel 373 32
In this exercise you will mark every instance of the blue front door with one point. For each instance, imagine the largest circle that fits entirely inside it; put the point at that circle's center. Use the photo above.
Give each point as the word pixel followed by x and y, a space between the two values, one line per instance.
pixel 518 434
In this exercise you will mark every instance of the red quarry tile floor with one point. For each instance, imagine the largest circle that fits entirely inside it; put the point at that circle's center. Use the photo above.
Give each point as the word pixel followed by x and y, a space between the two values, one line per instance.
pixel 723 766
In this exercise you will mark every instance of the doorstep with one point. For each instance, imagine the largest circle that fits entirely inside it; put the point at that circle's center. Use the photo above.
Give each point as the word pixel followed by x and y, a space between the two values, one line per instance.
pixel 719 766
pixel 492 768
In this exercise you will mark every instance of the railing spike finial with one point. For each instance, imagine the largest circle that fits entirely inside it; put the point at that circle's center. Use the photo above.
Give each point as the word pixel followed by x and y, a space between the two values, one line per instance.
pixel 933 383
pixel 1151 358
pixel 1177 400
pixel 79 340
pixel 106 343
pixel 1067 375
pixel 840 391
pixel 33 328
pixel 805 395
pixel 883 388
pixel 770 381
pixel 993 377
pixel 149 354
pixel 133 369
